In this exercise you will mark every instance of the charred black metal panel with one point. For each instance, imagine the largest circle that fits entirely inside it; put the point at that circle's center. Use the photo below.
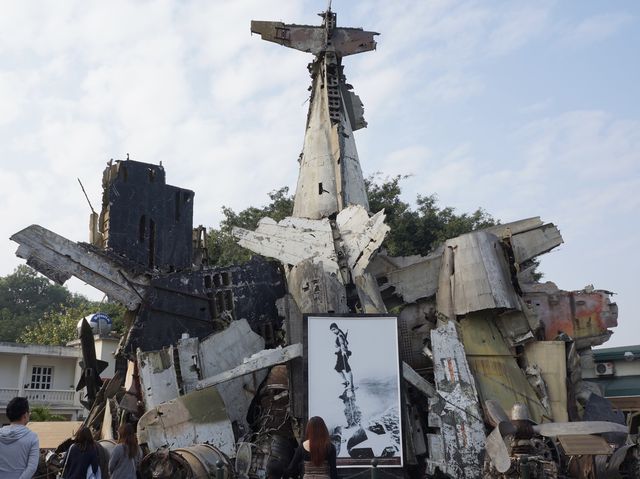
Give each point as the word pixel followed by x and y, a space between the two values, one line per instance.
pixel 203 302
pixel 145 219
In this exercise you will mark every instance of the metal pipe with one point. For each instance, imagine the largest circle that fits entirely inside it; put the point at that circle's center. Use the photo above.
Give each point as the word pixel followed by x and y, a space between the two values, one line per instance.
pixel 374 469
pixel 525 470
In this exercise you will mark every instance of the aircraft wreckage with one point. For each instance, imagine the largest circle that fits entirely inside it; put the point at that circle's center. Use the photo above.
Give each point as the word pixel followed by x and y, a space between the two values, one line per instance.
pixel 212 366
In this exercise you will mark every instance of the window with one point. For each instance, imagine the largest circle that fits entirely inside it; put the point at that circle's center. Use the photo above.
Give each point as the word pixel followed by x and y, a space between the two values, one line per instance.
pixel 41 377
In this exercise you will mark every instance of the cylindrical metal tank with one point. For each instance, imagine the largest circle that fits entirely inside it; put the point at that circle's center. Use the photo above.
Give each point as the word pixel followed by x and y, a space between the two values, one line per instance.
pixel 193 462
pixel 203 459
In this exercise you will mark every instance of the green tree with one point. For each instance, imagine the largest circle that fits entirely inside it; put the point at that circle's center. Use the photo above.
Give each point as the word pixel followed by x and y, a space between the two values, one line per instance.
pixel 221 245
pixel 419 230
pixel 25 297
pixel 413 231
pixel 60 326
pixel 43 414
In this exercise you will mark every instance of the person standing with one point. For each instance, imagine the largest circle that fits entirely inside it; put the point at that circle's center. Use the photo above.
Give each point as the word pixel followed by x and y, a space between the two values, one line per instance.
pixel 342 356
pixel 126 456
pixel 317 453
pixel 19 446
pixel 82 455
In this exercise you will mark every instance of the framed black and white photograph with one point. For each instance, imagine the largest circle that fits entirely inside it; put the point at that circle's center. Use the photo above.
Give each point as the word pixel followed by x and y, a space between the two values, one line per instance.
pixel 354 385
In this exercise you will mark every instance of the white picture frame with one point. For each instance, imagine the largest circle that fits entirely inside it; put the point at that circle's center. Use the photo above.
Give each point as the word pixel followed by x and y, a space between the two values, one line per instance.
pixel 353 380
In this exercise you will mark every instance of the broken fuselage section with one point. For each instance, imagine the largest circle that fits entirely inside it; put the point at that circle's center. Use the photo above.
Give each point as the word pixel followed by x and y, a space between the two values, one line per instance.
pixel 215 369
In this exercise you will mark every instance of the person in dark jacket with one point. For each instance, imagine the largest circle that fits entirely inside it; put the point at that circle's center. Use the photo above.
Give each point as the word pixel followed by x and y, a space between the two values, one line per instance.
pixel 315 458
pixel 82 455
pixel 342 356
pixel 126 456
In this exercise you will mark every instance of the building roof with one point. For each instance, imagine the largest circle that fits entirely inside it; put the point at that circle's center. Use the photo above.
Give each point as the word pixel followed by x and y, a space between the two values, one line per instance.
pixel 38 349
pixel 613 354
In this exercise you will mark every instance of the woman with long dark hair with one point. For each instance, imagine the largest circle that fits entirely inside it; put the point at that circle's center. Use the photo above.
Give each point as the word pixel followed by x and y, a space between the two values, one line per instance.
pixel 317 454
pixel 126 456
pixel 82 455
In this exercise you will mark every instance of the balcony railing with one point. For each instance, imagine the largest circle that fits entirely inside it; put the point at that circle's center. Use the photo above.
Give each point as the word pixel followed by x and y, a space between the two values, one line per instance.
pixel 40 397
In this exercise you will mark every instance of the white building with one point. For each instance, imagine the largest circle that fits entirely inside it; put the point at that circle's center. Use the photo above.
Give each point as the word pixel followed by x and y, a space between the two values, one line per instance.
pixel 47 375
pixel 617 372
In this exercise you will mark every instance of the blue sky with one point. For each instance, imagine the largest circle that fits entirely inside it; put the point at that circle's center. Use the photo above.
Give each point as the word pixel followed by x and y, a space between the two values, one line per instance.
pixel 522 108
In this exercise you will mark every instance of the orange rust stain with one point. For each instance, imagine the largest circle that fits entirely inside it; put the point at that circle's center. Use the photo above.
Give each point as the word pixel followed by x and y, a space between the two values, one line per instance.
pixel 452 370
pixel 463 433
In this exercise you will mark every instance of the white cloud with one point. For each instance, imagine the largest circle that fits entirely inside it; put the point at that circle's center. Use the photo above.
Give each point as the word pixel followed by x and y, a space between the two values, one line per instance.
pixel 454 86
pixel 537 107
pixel 594 29
pixel 186 84
pixel 518 25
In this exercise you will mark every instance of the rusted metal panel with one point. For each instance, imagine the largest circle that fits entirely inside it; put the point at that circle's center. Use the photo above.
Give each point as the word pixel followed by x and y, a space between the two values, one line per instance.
pixel 307 38
pixel 506 230
pixel 292 241
pixel 189 362
pixel 330 177
pixel 351 185
pixel 223 352
pixel 416 281
pixel 594 312
pixel 361 236
pixel 157 376
pixel 314 289
pixel 584 444
pixel 195 418
pixel 312 39
pixel 206 301
pixel 417 381
pixel 369 294
pixel 554 429
pixel 316 194
pixel 257 362
pixel 481 277
pixel 444 296
pixel 355 109
pixel 355 238
pixel 59 258
pixel 461 424
pixel 497 374
pixel 415 323
pixel 583 315
pixel 550 357
pixel 535 242
pixel 518 327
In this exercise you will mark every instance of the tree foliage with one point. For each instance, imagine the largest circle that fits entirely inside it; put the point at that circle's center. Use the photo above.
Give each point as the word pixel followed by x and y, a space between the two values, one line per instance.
pixel 42 414
pixel 25 297
pixel 221 245
pixel 58 327
pixel 36 310
pixel 413 230
pixel 419 230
